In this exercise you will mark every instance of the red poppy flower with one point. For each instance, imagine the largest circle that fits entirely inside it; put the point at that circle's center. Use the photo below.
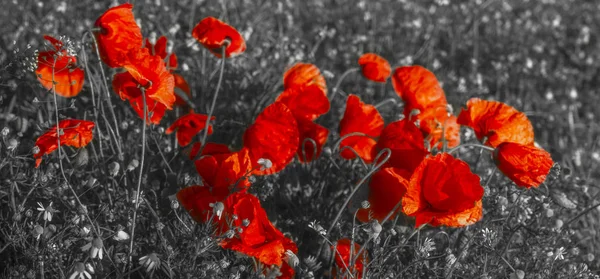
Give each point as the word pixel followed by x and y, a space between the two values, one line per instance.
pixel 73 132
pixel 150 72
pixel 128 89
pixel 188 126
pixel 259 238
pixel 526 165
pixel 273 136
pixel 386 189
pixel 304 74
pixel 362 118
pixel 160 49
pixel 374 67
pixel 406 143
pixel 119 34
pixel 225 172
pixel 419 88
pixel 497 122
pixel 443 191
pixel 305 102
pixel 197 201
pixel 435 121
pixel 213 34
pixel 310 130
pixel 342 259
pixel 58 64
pixel 181 84
pixel 211 148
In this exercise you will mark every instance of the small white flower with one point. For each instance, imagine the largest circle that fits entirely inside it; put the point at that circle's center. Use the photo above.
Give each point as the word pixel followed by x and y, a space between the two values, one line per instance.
pixel 121 235
pixel 81 271
pixel 48 211
pixel 150 261
pixel 95 248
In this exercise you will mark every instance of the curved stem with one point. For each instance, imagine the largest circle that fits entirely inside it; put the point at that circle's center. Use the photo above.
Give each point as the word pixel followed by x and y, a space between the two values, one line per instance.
pixel 485 147
pixel 338 142
pixel 339 82
pixel 139 184
pixel 360 183
pixel 214 101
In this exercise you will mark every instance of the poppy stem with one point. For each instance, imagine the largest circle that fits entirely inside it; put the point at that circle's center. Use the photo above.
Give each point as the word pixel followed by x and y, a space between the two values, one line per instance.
pixel 485 147
pixel 360 183
pixel 62 170
pixel 214 101
pixel 385 102
pixel 139 184
pixel 339 82
pixel 110 105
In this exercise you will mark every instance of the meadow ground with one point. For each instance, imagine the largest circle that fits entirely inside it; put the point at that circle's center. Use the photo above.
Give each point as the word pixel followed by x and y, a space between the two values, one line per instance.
pixel 541 57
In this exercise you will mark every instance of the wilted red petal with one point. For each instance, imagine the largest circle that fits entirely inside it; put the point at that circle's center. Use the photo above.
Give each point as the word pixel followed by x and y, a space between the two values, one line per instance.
pixel 159 49
pixel 304 74
pixel 188 126
pixel 75 133
pixel 362 118
pixel 496 121
pixel 260 239
pixel 419 88
pixel 196 200
pixel 119 34
pixel 225 172
pixel 57 64
pixel 274 136
pixel 435 121
pixel 342 258
pixel 406 143
pixel 386 189
pixel 182 85
pixel 151 73
pixel 443 191
pixel 310 130
pixel 305 102
pixel 213 35
pixel 526 165
pixel 374 67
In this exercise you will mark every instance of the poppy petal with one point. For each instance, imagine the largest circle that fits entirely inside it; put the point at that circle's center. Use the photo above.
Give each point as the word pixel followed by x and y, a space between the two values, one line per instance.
pixel 419 88
pixel 188 126
pixel 526 165
pixel 213 34
pixel 118 35
pixel 374 67
pixel 317 133
pixel 75 133
pixel 305 102
pixel 304 74
pixel 386 189
pixel 274 136
pixel 362 118
pixel 497 122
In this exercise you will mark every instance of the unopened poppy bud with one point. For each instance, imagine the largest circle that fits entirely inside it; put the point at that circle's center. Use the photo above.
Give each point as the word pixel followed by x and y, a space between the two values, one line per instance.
pixel 121 235
pixel 245 222
pixel 37 231
pixel 518 274
pixel 365 204
pixel 90 182
pixel 174 204
pixel 549 212
pixel 133 165
pixel 375 229
pixel 113 168
pixel 558 223
pixel 5 131
pixel 265 163
pixel 12 144
pixel 230 234
pixel 327 151
pixel 82 158
pixel 292 259
pixel 35 150
pixel 218 208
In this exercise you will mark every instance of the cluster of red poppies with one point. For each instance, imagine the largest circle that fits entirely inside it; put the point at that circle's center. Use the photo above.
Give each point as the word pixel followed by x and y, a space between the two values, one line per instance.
pixel 419 177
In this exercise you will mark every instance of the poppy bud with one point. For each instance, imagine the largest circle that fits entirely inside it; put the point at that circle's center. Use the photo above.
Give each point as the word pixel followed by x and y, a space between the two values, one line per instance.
pixel 265 163
pixel 133 165
pixel 365 204
pixel 12 144
pixel 5 131
pixel 113 168
pixel 82 158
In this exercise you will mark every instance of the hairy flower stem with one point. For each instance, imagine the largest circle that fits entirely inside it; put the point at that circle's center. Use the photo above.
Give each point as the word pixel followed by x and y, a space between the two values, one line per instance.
pixel 110 105
pixel 139 184
pixel 339 82
pixel 62 170
pixel 485 147
pixel 214 101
